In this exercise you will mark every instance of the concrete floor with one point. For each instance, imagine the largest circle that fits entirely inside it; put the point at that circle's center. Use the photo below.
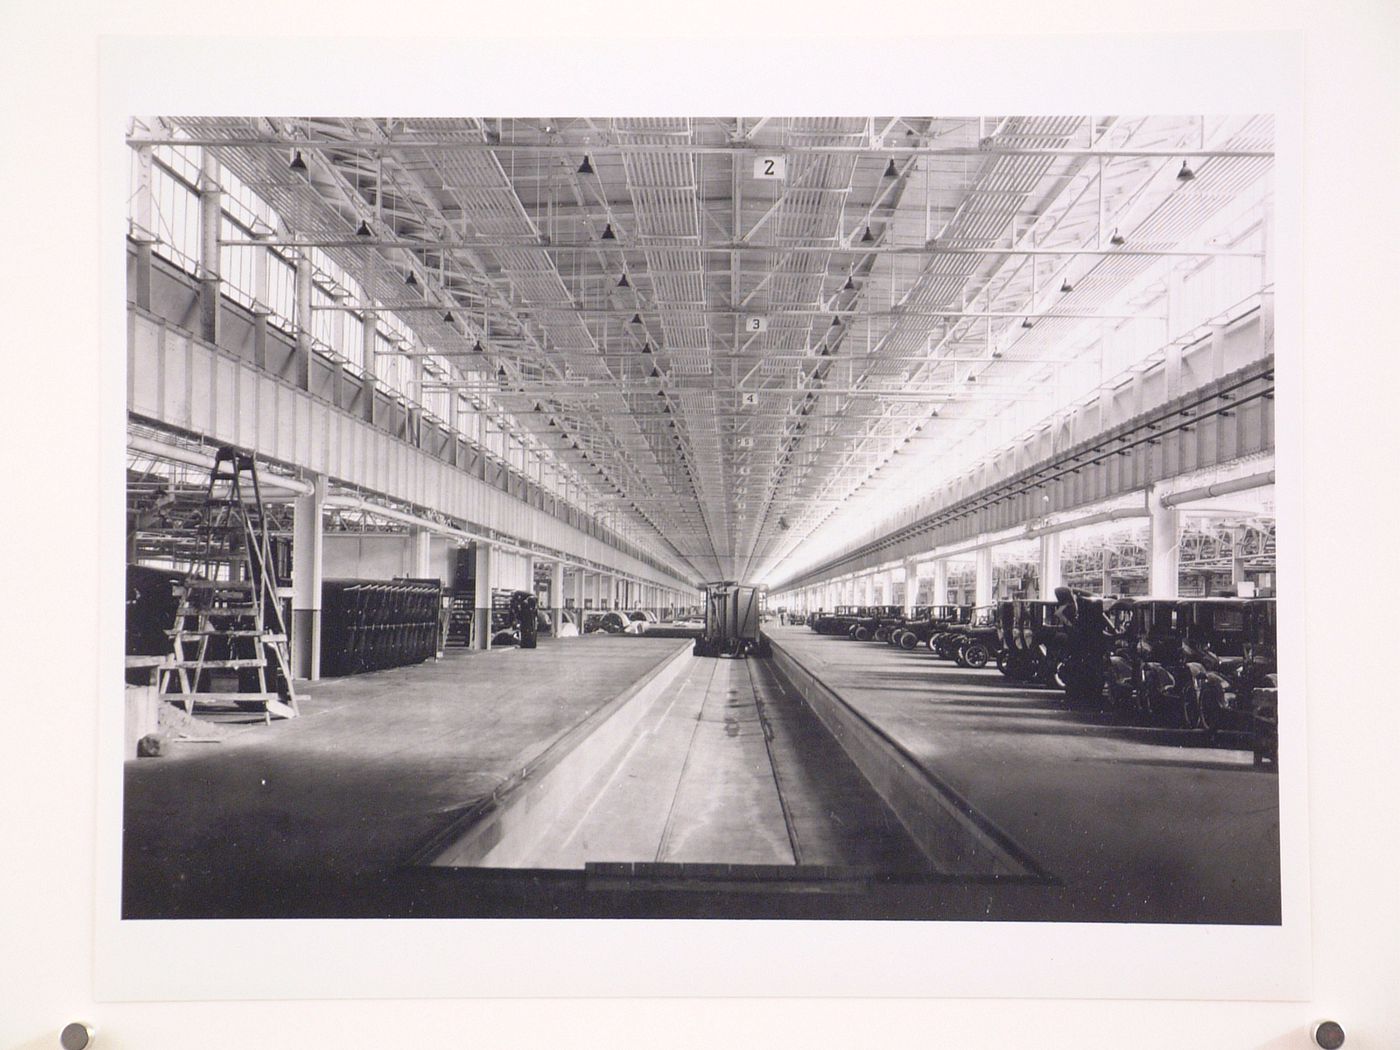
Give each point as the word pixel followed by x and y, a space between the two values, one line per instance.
pixel 1134 824
pixel 300 816
pixel 724 767
pixel 321 816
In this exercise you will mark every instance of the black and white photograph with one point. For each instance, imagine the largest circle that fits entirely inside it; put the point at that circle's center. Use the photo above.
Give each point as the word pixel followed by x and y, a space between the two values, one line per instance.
pixel 703 517
pixel 794 525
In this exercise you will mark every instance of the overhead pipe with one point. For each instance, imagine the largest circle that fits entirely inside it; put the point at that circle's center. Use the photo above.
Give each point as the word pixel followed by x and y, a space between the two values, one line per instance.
pixel 191 458
pixel 1117 514
pixel 1219 488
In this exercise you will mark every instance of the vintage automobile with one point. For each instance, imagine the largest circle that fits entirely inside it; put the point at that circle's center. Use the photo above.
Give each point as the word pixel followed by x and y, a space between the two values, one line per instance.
pixel 1149 673
pixel 838 621
pixel 1231 649
pixel 1265 727
pixel 870 619
pixel 1082 648
pixel 1032 641
pixel 972 643
pixel 935 620
pixel 890 625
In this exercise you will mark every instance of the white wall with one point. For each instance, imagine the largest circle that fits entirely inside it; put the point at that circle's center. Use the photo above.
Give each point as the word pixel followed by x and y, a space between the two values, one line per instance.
pixel 48 782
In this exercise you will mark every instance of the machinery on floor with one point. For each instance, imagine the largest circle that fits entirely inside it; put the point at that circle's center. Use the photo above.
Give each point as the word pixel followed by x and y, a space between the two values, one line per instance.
pixel 733 622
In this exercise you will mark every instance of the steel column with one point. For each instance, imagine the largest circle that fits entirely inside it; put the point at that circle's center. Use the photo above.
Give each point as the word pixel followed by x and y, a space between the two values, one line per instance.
pixel 481 618
pixel 369 340
pixel 301 369
pixel 940 581
pixel 983 588
pixel 142 227
pixel 308 552
pixel 1051 574
pixel 911 585
pixel 210 217
pixel 1163 546
pixel 422 541
pixel 556 596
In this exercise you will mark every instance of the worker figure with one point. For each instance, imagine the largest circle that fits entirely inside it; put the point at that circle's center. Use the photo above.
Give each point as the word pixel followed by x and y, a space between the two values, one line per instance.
pixel 524 608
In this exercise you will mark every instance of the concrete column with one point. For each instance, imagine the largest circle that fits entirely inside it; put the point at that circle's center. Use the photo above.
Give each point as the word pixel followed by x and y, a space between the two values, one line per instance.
pixel 308 551
pixel 579 576
pixel 982 589
pixel 210 216
pixel 1163 540
pixel 1050 574
pixel 143 228
pixel 556 596
pixel 940 581
pixel 911 585
pixel 301 357
pixel 369 343
pixel 422 541
pixel 481 618
pixel 1237 559
pixel 1106 586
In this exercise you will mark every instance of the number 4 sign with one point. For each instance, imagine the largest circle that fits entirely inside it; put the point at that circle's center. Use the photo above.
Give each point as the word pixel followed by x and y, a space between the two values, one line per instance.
pixel 769 167
pixel 750 399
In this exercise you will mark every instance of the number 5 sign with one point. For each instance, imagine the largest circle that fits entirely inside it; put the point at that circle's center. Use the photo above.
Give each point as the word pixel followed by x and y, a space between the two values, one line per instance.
pixel 770 167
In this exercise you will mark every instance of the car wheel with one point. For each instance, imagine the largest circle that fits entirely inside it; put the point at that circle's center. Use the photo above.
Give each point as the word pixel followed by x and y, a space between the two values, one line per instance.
pixel 1192 715
pixel 976 655
pixel 908 641
pixel 1211 704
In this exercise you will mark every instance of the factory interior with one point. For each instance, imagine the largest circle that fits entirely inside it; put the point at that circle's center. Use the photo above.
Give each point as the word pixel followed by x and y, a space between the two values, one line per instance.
pixel 702 517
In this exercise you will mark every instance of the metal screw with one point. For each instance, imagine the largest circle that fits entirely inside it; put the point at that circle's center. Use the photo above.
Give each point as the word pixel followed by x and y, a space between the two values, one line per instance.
pixel 77 1036
pixel 1328 1035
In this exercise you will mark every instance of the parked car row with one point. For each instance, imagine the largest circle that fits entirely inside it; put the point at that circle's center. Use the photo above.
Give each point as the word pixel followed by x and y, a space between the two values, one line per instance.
pixel 1205 664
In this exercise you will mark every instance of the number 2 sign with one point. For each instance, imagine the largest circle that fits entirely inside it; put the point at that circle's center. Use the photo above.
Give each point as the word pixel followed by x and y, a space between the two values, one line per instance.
pixel 770 167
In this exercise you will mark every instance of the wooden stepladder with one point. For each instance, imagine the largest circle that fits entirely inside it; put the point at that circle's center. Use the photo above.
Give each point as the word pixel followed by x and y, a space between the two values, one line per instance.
pixel 230 614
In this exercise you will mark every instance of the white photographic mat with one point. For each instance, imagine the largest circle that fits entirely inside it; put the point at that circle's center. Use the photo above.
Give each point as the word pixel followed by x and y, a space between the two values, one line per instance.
pixel 344 959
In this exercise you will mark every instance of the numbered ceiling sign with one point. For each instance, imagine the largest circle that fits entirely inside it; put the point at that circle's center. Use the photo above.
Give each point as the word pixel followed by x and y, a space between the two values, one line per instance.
pixel 750 399
pixel 769 167
pixel 746 442
pixel 755 324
